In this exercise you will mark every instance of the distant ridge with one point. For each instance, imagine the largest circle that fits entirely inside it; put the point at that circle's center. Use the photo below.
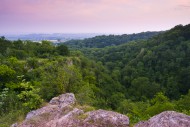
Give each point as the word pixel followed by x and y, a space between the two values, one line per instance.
pixel 55 36
pixel 109 40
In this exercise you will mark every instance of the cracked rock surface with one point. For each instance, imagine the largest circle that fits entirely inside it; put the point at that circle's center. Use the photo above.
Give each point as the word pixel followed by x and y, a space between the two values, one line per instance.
pixel 62 112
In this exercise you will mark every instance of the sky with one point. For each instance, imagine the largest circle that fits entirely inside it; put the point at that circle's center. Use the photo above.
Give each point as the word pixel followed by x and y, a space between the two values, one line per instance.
pixel 91 16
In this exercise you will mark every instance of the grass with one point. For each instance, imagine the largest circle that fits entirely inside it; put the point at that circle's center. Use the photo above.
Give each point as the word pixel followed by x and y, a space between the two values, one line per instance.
pixel 6 120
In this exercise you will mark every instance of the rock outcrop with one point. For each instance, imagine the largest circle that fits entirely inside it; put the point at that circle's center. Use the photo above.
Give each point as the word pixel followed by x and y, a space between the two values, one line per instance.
pixel 167 119
pixel 54 105
pixel 107 118
pixel 63 112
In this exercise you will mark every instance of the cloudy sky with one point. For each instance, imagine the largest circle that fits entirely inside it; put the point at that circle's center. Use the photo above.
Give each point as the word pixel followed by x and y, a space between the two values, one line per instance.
pixel 91 16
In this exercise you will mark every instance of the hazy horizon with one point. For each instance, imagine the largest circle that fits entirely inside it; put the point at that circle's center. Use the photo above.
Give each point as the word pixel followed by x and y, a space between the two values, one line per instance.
pixel 91 16
pixel 25 33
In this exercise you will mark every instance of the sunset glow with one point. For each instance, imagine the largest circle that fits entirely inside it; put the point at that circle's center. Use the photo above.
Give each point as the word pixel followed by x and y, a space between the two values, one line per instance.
pixel 91 16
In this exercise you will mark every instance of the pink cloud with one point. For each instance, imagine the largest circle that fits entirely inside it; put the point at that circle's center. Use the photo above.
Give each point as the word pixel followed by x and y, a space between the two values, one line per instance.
pixel 93 15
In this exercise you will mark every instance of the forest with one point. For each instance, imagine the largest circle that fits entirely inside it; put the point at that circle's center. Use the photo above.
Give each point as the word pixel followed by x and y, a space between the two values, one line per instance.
pixel 139 75
pixel 110 40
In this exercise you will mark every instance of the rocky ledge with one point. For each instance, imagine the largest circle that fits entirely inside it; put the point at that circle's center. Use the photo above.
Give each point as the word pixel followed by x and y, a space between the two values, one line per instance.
pixel 62 111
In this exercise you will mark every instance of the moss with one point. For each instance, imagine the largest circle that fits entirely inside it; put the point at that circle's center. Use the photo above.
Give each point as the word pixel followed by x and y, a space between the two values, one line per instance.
pixel 85 108
pixel 66 110
pixel 82 116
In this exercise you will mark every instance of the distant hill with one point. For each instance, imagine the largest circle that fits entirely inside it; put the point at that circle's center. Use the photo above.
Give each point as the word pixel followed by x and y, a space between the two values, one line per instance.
pixel 60 37
pixel 110 40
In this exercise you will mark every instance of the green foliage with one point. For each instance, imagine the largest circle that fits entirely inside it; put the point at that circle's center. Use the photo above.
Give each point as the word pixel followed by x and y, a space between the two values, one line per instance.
pixel 32 63
pixel 45 49
pixel 115 99
pixel 6 75
pixel 141 88
pixel 4 45
pixel 135 110
pixel 59 77
pixel 29 96
pixel 62 50
pixel 3 97
pixel 11 109
pixel 86 95
pixel 159 104
pixel 13 116
pixel 24 49
pixel 183 104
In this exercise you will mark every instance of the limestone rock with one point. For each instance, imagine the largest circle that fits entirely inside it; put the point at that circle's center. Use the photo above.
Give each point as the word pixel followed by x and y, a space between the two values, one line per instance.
pixel 107 118
pixel 63 100
pixel 56 103
pixel 68 120
pixel 61 112
pixel 167 119
pixel 47 109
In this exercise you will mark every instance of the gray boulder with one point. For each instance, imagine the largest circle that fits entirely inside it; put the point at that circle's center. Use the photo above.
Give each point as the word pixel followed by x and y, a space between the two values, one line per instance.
pixel 167 119
pixel 55 104
pixel 63 100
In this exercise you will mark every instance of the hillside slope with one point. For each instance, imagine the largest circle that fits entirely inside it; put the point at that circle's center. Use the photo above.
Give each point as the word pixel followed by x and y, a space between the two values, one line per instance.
pixel 161 63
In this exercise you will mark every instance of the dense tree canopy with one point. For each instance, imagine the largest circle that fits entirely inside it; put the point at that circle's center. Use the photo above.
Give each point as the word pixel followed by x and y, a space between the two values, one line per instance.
pixel 158 64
